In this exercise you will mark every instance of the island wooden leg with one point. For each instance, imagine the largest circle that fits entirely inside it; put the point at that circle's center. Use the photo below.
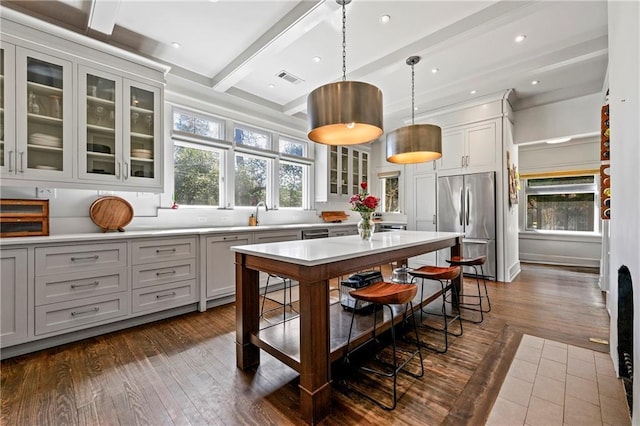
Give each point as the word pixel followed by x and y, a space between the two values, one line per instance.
pixel 247 321
pixel 315 367
pixel 456 250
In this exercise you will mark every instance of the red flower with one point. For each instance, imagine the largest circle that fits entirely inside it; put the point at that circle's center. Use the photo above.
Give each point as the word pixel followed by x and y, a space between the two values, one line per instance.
pixel 363 185
pixel 364 202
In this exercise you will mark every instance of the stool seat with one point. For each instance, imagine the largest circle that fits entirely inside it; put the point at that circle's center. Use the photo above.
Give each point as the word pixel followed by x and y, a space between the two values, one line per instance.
pixel 385 293
pixel 436 272
pixel 468 261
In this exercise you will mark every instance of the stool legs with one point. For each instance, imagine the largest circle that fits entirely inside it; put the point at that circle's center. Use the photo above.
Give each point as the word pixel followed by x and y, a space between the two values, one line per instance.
pixel 479 306
pixel 286 286
pixel 447 319
pixel 396 367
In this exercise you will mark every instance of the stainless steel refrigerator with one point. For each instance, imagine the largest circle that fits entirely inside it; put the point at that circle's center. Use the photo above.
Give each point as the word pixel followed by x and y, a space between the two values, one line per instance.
pixel 467 203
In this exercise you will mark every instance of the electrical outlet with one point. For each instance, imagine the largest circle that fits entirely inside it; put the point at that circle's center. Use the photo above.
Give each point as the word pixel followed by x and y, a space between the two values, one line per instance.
pixel 202 219
pixel 49 193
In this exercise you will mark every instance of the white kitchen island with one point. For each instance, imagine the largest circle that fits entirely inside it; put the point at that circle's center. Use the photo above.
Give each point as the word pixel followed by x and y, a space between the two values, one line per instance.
pixel 311 342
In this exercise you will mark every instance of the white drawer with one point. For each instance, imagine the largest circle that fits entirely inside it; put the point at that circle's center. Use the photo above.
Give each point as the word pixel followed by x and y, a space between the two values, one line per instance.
pixel 81 313
pixel 64 259
pixel 163 273
pixel 164 296
pixel 160 250
pixel 77 285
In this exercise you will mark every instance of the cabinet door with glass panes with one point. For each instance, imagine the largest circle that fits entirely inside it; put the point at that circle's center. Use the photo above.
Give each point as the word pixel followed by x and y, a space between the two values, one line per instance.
pixel 118 130
pixel 338 170
pixel 359 169
pixel 143 156
pixel 7 108
pixel 43 147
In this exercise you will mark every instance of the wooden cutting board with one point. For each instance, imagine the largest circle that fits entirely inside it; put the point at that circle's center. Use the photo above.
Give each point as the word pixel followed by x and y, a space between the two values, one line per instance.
pixel 111 213
pixel 334 216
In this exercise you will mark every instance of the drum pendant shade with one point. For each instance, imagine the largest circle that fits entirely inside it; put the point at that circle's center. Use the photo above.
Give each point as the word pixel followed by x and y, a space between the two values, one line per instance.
pixel 345 113
pixel 417 143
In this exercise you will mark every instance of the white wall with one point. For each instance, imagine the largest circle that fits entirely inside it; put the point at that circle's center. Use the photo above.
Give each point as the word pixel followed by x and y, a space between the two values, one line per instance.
pixel 574 117
pixel 624 110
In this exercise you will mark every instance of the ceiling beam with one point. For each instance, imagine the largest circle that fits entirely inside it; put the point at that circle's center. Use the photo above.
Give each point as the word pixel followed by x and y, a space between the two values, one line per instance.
pixel 304 16
pixel 102 17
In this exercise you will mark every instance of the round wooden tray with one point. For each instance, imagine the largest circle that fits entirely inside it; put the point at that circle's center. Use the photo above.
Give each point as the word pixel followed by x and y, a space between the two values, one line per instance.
pixel 111 213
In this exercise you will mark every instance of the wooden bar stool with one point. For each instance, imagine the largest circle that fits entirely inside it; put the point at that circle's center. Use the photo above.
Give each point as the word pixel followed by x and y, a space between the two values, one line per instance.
pixel 445 276
pixel 474 262
pixel 286 285
pixel 387 294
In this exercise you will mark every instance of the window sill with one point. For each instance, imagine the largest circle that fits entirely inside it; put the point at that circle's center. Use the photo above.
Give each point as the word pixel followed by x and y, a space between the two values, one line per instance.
pixel 561 236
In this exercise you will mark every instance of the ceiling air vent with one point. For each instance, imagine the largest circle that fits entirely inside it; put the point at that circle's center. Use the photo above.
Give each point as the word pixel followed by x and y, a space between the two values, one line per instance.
pixel 285 75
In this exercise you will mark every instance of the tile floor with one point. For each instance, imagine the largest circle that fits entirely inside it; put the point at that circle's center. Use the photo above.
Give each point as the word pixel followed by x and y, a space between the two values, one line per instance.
pixel 551 383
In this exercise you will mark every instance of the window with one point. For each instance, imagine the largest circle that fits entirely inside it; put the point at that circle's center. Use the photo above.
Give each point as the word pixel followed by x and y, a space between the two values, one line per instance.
pixel 251 137
pixel 292 191
pixel 390 190
pixel 198 163
pixel 562 204
pixel 292 147
pixel 251 180
pixel 193 124
pixel 197 174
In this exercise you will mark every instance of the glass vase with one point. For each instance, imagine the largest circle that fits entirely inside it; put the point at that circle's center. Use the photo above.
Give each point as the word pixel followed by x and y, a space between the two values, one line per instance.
pixel 366 227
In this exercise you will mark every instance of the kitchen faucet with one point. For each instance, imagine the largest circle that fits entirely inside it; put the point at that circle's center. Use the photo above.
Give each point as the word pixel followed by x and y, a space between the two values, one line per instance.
pixel 266 209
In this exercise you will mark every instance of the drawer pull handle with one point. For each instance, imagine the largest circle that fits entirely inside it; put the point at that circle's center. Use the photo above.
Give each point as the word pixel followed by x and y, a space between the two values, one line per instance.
pixel 172 250
pixel 158 274
pixel 162 296
pixel 85 285
pixel 88 311
pixel 230 238
pixel 76 259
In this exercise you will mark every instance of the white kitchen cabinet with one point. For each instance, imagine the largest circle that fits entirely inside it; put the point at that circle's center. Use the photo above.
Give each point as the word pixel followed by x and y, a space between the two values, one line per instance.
pixel 219 271
pixel 469 149
pixel 119 121
pixel 14 310
pixel 424 214
pixel 39 145
pixel 77 117
pixel 164 274
pixel 340 170
pixel 80 286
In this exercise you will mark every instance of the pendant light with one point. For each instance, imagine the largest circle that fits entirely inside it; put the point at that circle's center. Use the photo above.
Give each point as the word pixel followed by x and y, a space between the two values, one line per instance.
pixel 417 143
pixel 345 112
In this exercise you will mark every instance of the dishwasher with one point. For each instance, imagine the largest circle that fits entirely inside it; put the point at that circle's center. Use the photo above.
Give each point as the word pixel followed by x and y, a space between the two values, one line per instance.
pixel 312 234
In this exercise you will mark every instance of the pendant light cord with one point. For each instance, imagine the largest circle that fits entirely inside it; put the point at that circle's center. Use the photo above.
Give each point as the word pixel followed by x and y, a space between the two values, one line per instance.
pixel 344 41
pixel 413 95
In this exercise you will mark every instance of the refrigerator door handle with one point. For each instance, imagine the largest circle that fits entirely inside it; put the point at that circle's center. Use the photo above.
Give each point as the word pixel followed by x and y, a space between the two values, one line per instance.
pixel 461 206
pixel 467 208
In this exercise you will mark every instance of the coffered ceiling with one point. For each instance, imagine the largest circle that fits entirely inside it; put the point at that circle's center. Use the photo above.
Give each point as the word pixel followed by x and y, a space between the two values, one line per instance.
pixel 240 47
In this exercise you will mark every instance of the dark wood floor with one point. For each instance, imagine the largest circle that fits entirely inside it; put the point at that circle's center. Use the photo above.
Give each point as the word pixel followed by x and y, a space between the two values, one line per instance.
pixel 182 371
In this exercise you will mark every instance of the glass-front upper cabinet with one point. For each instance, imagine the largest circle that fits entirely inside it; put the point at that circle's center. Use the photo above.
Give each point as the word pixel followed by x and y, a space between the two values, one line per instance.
pixel 143 113
pixel 43 142
pixel 344 170
pixel 118 141
pixel 7 107
pixel 100 117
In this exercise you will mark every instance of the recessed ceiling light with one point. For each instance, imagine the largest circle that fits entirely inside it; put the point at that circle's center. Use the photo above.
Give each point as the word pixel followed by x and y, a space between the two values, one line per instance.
pixel 175 44
pixel 558 140
pixel 534 82
pixel 520 38
pixel 415 108
pixel 435 70
pixel 473 92
pixel 271 86
pixel 316 59
pixel 384 19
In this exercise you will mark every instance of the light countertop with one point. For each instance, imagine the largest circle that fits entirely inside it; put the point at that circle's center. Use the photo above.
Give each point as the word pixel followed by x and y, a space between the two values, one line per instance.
pixel 175 232
pixel 321 251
